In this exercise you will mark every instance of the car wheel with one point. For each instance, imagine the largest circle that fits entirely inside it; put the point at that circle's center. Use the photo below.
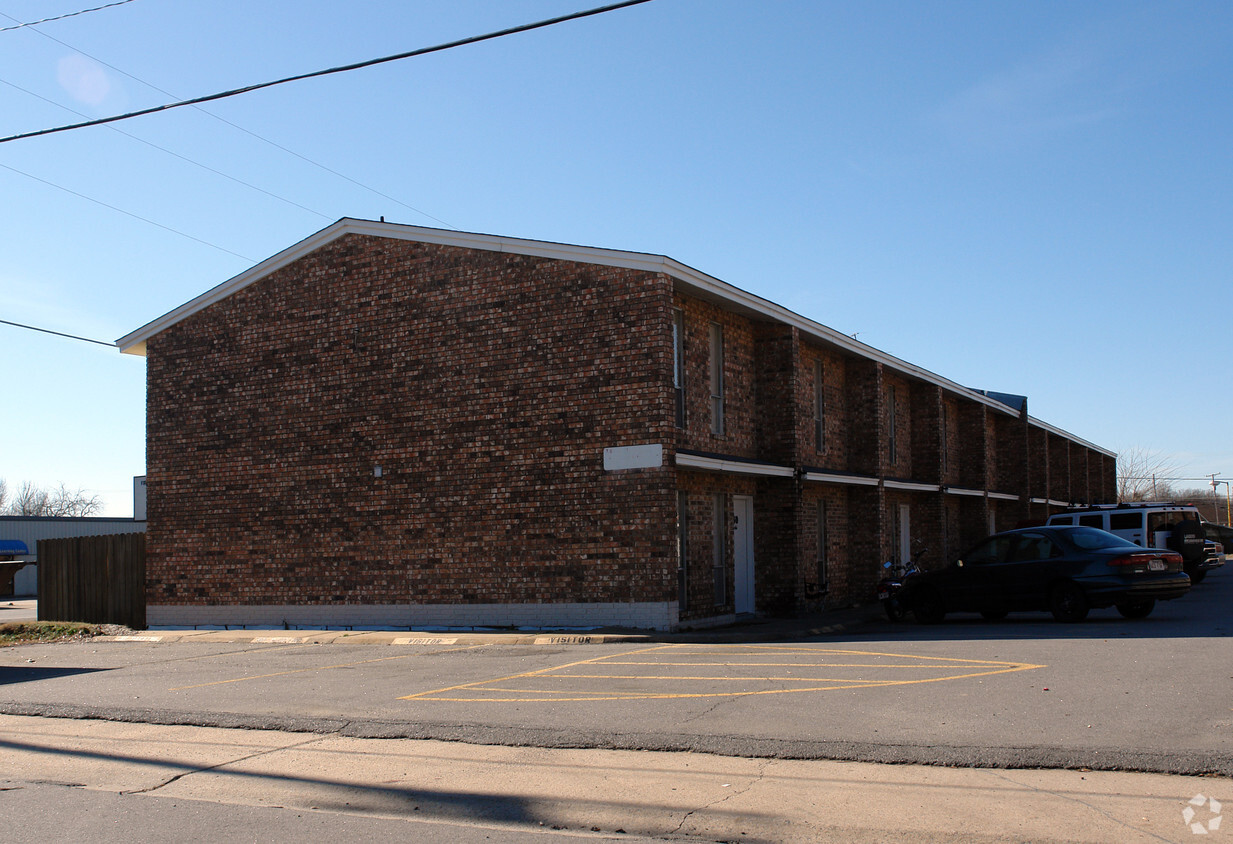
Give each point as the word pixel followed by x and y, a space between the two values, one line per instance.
pixel 993 615
pixel 1197 576
pixel 1068 603
pixel 928 607
pixel 1137 609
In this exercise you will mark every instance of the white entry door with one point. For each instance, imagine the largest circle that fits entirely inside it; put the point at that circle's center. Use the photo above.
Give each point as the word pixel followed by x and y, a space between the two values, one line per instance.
pixel 743 552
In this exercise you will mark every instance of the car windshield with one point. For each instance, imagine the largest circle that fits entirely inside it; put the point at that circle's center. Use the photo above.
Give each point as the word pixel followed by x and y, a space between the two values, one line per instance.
pixel 1089 539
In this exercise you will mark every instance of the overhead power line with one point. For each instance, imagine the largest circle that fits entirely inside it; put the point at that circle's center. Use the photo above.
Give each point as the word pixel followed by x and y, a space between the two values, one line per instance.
pixel 175 154
pixel 240 128
pixel 57 333
pixel 126 213
pixel 423 51
pixel 67 15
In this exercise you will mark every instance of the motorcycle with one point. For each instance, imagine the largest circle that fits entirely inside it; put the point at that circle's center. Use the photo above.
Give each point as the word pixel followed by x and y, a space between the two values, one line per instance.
pixel 892 583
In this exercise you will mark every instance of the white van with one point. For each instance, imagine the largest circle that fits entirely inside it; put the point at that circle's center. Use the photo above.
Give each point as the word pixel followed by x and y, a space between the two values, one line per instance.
pixel 1152 524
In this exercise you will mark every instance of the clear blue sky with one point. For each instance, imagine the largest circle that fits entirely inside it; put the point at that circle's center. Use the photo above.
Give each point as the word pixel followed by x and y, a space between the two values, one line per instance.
pixel 1027 197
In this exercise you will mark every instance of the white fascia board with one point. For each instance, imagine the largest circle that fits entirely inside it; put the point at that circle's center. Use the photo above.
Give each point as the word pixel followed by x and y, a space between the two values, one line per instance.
pixel 716 290
pixel 1004 496
pixel 737 467
pixel 828 478
pixel 1053 429
pixel 691 279
pixel 958 490
pixel 912 486
pixel 1056 503
pixel 134 343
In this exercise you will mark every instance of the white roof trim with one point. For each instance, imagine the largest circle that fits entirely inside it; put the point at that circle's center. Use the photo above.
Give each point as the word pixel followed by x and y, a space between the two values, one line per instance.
pixel 828 478
pixel 958 490
pixel 134 343
pixel 737 467
pixel 1004 496
pixel 912 486
pixel 1053 429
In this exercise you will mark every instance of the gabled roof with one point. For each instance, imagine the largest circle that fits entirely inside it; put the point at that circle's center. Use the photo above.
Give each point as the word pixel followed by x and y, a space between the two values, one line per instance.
pixel 688 280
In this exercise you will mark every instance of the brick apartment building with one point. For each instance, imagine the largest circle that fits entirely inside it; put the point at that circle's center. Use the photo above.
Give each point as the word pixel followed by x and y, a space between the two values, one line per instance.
pixel 394 425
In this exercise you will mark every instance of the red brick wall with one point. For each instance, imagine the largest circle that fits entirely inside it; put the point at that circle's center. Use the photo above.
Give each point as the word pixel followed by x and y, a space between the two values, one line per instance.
pixel 739 438
pixel 951 472
pixel 901 389
pixel 1059 468
pixel 485 385
pixel 970 456
pixel 838 555
pixel 834 454
pixel 701 489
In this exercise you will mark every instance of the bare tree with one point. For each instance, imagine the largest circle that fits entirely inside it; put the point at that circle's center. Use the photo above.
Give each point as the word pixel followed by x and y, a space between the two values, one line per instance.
pixel 1145 475
pixel 4 494
pixel 32 500
pixel 1213 505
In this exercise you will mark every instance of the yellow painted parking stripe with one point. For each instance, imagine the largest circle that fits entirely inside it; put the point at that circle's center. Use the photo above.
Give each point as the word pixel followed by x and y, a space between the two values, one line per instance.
pixel 729 679
pixel 803 664
pixel 526 674
pixel 497 694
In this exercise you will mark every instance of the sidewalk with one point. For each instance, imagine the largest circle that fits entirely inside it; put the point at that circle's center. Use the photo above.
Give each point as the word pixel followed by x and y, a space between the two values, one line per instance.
pixel 18 609
pixel 601 794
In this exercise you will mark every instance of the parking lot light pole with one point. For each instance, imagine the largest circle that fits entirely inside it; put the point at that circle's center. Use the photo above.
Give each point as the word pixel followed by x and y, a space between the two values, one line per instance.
pixel 1228 500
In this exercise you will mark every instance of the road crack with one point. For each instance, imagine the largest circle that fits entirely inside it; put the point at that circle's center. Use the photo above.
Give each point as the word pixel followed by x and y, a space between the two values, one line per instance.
pixel 205 769
pixel 1005 775
pixel 758 777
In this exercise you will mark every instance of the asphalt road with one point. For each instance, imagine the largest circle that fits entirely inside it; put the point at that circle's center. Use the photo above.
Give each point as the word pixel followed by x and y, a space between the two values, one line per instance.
pixel 1109 694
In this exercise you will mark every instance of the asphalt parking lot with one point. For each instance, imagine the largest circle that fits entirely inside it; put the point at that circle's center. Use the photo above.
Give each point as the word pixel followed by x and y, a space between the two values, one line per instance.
pixel 1151 694
pixel 1022 729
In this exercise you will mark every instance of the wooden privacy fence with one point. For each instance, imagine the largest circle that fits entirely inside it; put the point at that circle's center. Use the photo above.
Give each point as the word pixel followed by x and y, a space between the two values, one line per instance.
pixel 99 579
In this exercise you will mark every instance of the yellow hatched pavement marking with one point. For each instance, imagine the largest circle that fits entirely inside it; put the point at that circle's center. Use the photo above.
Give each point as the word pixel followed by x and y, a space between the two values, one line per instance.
pixel 536 673
pixel 494 693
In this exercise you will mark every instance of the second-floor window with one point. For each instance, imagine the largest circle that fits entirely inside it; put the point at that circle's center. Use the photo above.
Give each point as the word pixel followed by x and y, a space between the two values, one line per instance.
pixel 717 379
pixel 678 364
pixel 819 406
pixel 892 414
pixel 945 438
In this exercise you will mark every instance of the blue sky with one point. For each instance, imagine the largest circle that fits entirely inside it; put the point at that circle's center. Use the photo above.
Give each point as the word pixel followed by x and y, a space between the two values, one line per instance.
pixel 1032 198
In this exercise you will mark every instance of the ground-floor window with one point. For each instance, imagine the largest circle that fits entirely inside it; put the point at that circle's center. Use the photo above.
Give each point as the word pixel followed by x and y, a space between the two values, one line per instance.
pixel 682 550
pixel 719 560
pixel 822 573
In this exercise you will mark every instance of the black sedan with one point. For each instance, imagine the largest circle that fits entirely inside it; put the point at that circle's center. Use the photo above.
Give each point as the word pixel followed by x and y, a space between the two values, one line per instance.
pixel 1065 570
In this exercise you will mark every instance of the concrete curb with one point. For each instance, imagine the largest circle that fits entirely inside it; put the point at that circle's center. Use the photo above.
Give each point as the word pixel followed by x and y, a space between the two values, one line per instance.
pixel 761 630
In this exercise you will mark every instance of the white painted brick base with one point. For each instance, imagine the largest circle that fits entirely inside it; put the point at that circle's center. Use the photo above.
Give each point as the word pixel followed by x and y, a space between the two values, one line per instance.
pixel 642 616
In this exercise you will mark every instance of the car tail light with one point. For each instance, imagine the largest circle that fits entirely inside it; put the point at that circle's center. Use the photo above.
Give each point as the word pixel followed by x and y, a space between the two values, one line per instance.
pixel 1141 562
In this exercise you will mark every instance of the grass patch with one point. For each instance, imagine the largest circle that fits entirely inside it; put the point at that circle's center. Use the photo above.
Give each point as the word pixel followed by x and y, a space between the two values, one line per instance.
pixel 22 632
